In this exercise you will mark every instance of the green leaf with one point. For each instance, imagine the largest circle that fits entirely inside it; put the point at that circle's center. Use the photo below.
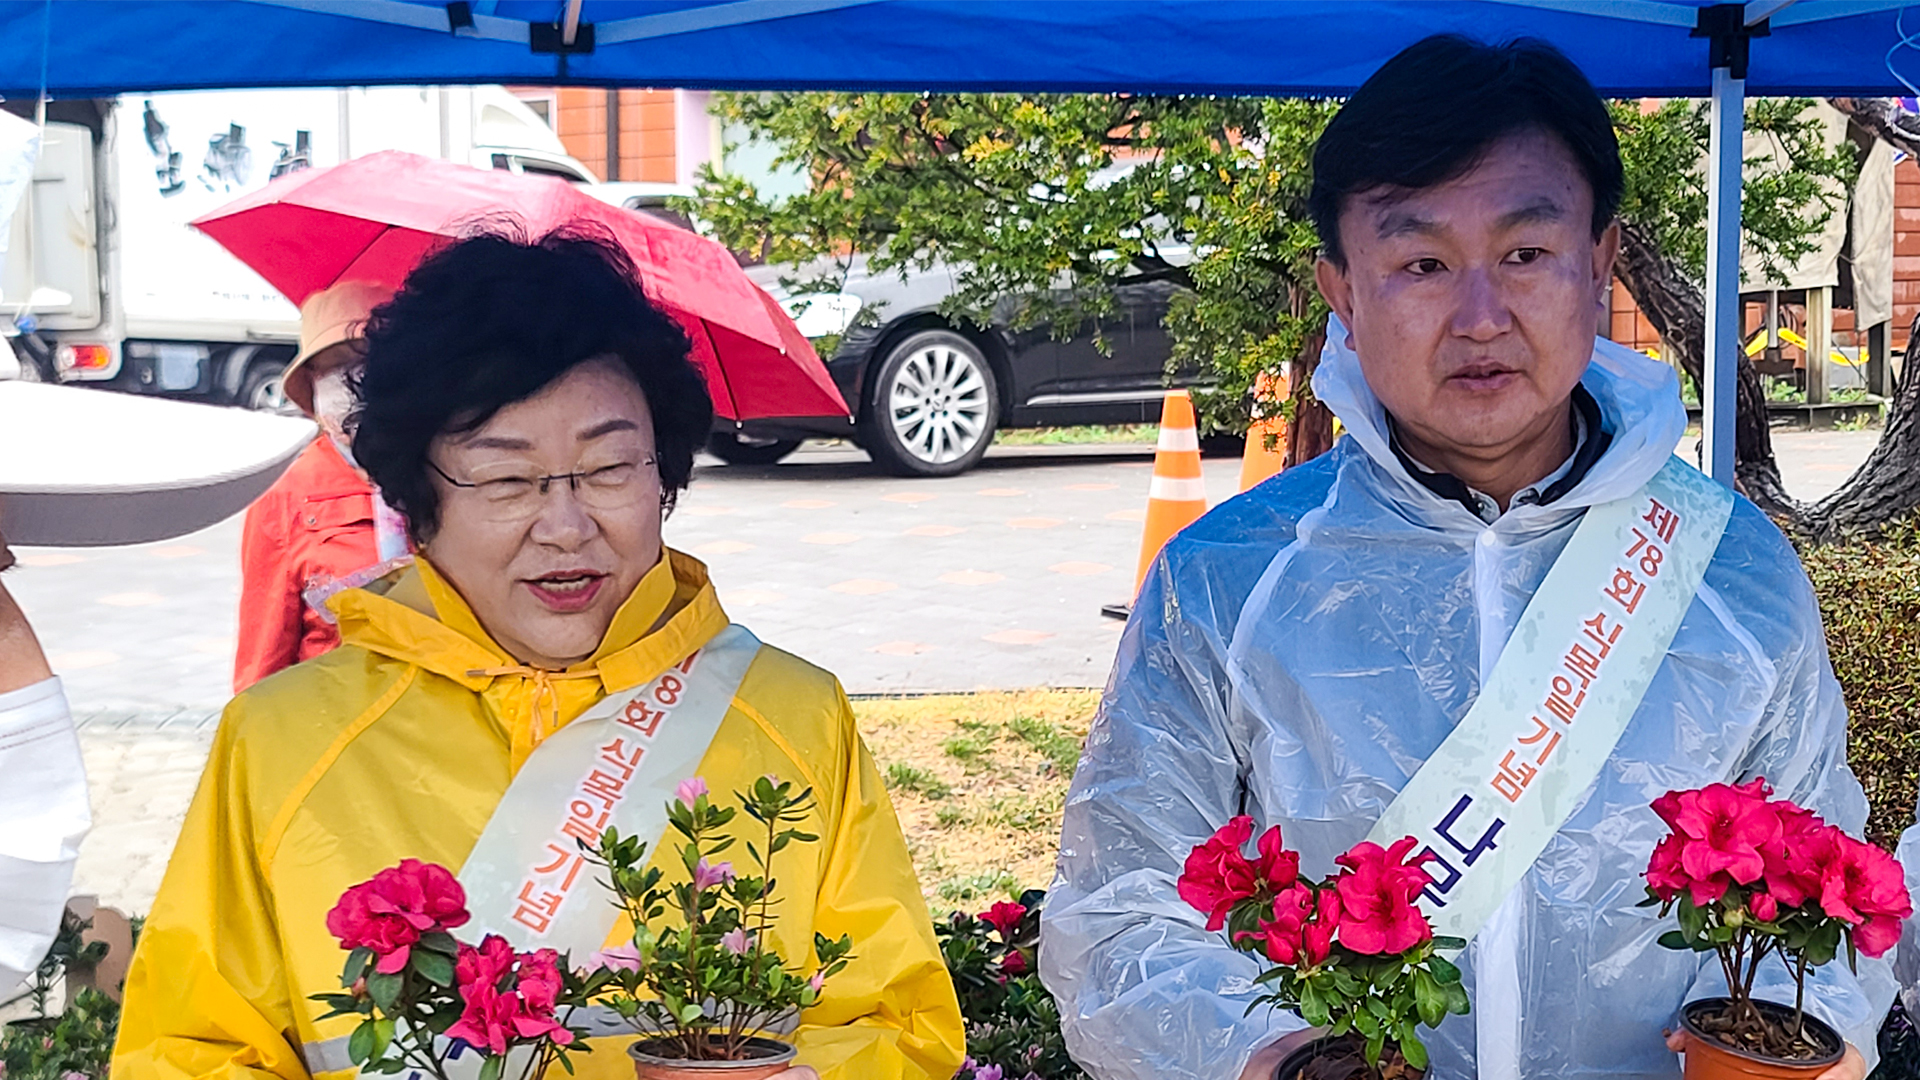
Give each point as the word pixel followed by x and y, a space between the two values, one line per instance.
pixel 436 968
pixel 1415 1052
pixel 1376 1046
pixel 1443 970
pixel 1674 939
pixel 1429 999
pixel 382 1038
pixel 384 989
pixel 1449 944
pixel 360 1043
pixel 357 962
pixel 490 1069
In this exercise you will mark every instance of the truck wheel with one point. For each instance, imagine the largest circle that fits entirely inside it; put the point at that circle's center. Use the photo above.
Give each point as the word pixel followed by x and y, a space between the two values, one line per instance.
pixel 934 407
pixel 261 390
pixel 736 449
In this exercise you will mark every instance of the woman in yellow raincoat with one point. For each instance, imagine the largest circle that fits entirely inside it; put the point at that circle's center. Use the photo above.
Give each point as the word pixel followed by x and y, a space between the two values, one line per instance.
pixel 534 416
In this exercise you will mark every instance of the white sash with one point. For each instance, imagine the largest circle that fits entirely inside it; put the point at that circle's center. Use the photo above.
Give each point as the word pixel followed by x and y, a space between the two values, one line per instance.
pixel 1489 799
pixel 616 766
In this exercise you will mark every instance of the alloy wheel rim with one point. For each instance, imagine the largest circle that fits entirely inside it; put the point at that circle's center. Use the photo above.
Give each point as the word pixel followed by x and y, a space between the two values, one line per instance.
pixel 938 404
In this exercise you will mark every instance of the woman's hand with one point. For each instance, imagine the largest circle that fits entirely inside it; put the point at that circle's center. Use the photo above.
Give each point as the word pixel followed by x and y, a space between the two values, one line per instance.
pixel 1851 1065
pixel 805 1072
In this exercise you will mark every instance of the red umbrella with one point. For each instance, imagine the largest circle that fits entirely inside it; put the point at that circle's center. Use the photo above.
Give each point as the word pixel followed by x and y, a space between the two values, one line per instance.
pixel 374 218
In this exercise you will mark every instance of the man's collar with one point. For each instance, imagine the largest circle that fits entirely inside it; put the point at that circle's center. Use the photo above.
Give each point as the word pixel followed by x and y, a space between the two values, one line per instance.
pixel 1590 440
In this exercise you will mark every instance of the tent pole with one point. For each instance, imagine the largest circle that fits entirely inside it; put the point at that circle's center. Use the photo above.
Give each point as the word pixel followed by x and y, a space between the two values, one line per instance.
pixel 1719 397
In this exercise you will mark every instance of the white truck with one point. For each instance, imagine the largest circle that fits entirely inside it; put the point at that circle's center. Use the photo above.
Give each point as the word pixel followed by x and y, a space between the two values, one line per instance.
pixel 105 283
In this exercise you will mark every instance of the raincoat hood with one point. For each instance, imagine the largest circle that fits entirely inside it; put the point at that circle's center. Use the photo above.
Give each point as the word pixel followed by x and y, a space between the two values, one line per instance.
pixel 1639 399
pixel 1299 653
pixel 417 617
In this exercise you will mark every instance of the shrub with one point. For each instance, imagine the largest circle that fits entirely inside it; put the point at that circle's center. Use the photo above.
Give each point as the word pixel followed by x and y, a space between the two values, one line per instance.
pixel 1869 594
pixel 1013 1025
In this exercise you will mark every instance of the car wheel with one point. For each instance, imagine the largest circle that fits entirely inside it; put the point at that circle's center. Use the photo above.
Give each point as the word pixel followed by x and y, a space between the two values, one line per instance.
pixel 261 390
pixel 736 449
pixel 934 407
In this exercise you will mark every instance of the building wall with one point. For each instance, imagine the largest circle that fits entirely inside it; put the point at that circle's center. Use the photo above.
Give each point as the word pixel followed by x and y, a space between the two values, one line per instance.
pixel 646 138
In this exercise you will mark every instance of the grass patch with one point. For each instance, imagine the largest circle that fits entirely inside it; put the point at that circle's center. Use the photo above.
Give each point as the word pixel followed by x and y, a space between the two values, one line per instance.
pixel 979 781
pixel 903 777
pixel 1062 751
pixel 1090 435
pixel 979 889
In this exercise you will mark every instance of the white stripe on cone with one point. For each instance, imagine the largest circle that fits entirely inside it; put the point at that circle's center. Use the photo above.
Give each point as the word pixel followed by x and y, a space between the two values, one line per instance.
pixel 1184 438
pixel 1178 489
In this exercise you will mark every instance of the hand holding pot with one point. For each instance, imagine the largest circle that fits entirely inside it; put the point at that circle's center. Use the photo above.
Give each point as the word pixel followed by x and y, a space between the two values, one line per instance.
pixel 1851 1065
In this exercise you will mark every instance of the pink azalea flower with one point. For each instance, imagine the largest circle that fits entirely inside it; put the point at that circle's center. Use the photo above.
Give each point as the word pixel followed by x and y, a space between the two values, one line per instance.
pixel 706 877
pixel 817 980
pixel 617 958
pixel 1728 826
pixel 689 790
pixel 735 941
pixel 1377 914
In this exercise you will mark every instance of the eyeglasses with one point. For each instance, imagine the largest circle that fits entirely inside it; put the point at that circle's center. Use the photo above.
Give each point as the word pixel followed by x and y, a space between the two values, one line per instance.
pixel 518 496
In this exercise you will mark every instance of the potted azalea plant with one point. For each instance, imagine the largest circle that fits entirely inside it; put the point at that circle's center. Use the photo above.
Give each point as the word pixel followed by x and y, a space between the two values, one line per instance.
pixel 1350 954
pixel 426 999
pixel 700 979
pixel 1754 879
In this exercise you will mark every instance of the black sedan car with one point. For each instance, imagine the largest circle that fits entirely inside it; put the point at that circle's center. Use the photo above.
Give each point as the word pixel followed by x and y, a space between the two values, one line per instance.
pixel 929 391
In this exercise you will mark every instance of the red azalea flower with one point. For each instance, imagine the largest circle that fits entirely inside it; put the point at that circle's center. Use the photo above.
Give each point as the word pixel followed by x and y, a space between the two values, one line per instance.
pixel 1728 826
pixel 389 913
pixel 1014 963
pixel 1763 906
pixel 1377 915
pixel 1004 917
pixel 1218 875
pixel 1282 934
pixel 1316 941
pixel 1794 861
pixel 507 997
pixel 1665 876
pixel 1276 866
pixel 1867 888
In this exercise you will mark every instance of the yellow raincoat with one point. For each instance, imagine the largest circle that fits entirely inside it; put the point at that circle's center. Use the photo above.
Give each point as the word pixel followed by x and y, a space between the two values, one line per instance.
pixel 399 744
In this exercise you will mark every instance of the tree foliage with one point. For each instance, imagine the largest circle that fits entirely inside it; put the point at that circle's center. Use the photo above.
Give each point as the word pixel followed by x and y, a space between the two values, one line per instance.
pixel 1055 199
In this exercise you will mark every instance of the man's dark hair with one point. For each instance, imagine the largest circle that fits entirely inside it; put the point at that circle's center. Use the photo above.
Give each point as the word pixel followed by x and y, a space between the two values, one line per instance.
pixel 494 319
pixel 1430 113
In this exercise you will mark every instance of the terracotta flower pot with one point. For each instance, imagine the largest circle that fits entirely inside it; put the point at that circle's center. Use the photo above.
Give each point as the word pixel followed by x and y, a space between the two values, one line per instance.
pixel 1710 1059
pixel 771 1057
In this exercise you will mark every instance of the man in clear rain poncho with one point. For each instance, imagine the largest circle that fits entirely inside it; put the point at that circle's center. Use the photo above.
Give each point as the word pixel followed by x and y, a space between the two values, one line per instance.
pixel 1303 651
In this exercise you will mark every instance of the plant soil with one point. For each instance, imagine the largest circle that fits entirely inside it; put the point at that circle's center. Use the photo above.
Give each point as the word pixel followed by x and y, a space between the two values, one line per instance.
pixel 1762 1034
pixel 1345 1059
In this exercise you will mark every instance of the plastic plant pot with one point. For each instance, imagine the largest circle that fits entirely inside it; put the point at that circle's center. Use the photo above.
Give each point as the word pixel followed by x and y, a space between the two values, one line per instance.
pixel 1710 1059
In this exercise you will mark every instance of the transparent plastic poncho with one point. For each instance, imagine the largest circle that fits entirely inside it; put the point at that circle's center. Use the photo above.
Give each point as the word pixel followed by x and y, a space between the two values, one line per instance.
pixel 1298 653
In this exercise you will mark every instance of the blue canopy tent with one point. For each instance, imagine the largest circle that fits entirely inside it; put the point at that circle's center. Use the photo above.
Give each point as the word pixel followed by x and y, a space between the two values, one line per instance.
pixel 1667 48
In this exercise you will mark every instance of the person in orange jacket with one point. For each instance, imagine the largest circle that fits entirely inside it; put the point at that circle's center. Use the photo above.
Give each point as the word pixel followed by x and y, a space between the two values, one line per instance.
pixel 321 527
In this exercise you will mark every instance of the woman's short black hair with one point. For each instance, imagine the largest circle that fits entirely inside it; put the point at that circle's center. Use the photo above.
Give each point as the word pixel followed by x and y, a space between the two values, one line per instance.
pixel 1430 113
pixel 493 319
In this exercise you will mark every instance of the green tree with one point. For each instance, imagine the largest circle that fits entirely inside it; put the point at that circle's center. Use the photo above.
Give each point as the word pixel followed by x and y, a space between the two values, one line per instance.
pixel 1055 199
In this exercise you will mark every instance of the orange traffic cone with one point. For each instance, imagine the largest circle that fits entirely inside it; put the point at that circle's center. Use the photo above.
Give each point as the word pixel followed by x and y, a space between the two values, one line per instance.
pixel 1259 462
pixel 1178 496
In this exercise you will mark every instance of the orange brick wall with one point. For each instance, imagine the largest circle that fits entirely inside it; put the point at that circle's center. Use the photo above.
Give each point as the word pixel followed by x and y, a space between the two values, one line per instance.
pixel 1906 249
pixel 646 131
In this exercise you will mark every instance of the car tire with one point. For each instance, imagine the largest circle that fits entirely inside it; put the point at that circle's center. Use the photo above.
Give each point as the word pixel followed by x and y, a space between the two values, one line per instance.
pixel 261 390
pixel 934 407
pixel 734 449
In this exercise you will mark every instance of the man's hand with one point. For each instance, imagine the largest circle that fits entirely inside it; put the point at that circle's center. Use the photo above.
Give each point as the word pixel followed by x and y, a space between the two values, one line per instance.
pixel 1851 1065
